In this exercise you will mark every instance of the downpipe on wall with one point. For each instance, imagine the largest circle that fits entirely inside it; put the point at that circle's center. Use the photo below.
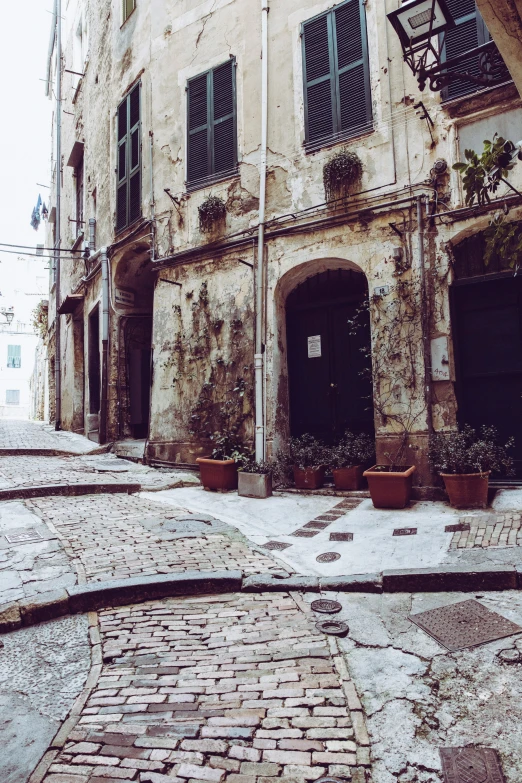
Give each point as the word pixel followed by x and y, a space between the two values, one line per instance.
pixel 102 427
pixel 425 319
pixel 259 357
pixel 58 346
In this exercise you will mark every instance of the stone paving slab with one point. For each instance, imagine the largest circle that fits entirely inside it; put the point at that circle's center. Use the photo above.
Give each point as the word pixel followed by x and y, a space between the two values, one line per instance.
pixel 232 688
pixel 21 434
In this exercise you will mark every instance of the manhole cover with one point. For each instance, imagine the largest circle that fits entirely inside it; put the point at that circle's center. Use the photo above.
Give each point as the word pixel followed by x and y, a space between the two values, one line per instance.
pixel 306 533
pixel 341 536
pixel 275 545
pixel 328 557
pixel 405 531
pixel 332 627
pixel 457 528
pixel 24 536
pixel 510 656
pixel 330 780
pixel 466 624
pixel 326 607
pixel 471 765
pixel 318 525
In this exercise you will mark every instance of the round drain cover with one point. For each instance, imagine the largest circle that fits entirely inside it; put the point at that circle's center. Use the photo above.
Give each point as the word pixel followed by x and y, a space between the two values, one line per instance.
pixel 510 656
pixel 329 780
pixel 326 607
pixel 328 557
pixel 332 628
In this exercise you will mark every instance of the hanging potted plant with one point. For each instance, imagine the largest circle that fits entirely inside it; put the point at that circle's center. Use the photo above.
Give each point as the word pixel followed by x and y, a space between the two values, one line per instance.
pixel 347 460
pixel 255 479
pixel 308 458
pixel 340 173
pixel 212 214
pixel 465 459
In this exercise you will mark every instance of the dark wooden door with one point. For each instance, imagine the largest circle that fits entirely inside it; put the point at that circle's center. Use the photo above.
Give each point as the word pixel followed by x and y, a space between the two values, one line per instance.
pixel 330 387
pixel 488 350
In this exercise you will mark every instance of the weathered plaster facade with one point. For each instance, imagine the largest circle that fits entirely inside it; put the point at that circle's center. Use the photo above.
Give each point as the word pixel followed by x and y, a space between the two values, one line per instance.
pixel 194 292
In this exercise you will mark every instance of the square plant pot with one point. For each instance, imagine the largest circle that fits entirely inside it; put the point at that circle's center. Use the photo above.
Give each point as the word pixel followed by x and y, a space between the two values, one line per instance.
pixel 309 478
pixel 349 479
pixel 254 485
pixel 390 489
pixel 217 474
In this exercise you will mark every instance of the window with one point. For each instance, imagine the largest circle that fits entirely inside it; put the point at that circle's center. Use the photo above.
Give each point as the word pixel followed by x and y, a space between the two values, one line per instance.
pixel 128 200
pixel 336 75
pixel 212 136
pixel 14 356
pixel 470 31
pixel 128 8
pixel 78 173
pixel 12 397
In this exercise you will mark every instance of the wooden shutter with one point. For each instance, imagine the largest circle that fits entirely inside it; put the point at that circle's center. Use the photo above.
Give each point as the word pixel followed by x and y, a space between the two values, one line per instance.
pixel 128 196
pixel 470 31
pixel 223 119
pixel 355 106
pixel 14 356
pixel 319 81
pixel 198 128
pixel 336 74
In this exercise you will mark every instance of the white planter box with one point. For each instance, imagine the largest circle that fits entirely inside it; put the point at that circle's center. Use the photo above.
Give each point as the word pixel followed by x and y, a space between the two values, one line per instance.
pixel 254 485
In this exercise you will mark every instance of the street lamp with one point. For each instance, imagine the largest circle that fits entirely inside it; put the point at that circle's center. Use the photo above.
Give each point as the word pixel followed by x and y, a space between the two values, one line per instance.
pixel 8 315
pixel 419 23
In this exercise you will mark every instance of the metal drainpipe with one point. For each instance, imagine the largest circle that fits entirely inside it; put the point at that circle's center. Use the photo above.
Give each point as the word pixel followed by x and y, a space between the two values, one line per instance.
pixel 259 276
pixel 58 348
pixel 105 346
pixel 424 315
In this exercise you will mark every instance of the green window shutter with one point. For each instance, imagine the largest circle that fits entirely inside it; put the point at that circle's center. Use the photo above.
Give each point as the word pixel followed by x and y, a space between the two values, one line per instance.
pixel 198 128
pixel 336 74
pixel 470 31
pixel 14 356
pixel 128 194
pixel 224 154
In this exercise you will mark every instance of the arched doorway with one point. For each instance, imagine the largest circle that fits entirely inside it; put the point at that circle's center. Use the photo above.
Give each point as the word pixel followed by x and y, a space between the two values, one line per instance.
pixel 486 304
pixel 330 387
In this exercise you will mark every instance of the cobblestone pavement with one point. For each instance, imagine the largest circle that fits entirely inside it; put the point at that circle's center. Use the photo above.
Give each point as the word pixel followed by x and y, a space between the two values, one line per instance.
pixel 116 536
pixel 489 530
pixel 29 471
pixel 234 688
pixel 22 434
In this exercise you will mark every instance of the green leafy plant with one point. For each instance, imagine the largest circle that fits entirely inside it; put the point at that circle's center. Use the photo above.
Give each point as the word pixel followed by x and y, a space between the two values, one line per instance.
pixel 503 242
pixel 351 450
pixel 340 173
pixel 482 174
pixel 307 452
pixel 219 419
pixel 211 213
pixel 40 319
pixel 251 465
pixel 468 450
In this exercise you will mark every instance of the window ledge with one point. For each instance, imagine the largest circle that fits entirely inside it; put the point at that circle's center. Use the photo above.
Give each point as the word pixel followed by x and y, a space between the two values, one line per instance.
pixel 207 182
pixel 474 101
pixel 339 138
pixel 77 242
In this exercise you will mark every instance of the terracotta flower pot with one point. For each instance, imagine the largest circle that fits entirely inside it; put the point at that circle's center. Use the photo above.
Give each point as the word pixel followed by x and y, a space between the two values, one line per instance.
pixel 309 478
pixel 348 478
pixel 218 474
pixel 467 490
pixel 390 489
pixel 254 485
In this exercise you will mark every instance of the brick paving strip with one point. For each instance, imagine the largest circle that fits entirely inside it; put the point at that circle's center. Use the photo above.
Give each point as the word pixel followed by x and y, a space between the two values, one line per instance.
pixel 235 688
pixel 489 530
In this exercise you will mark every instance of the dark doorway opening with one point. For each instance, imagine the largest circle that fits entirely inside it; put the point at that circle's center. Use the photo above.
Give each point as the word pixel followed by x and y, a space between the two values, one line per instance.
pixel 138 340
pixel 94 361
pixel 328 357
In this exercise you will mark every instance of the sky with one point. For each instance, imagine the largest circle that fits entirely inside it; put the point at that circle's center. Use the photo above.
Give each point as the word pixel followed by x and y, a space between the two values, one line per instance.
pixel 25 146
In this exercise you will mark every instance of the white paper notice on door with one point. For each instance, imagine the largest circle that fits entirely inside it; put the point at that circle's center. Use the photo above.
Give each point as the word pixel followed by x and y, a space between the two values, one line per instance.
pixel 314 347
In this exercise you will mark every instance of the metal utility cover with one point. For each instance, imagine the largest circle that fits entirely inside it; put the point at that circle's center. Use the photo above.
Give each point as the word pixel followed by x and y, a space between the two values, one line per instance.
pixel 328 557
pixel 332 627
pixel 275 545
pixel 471 765
pixel 306 533
pixel 325 606
pixel 24 536
pixel 317 525
pixel 341 536
pixel 405 531
pixel 457 528
pixel 466 624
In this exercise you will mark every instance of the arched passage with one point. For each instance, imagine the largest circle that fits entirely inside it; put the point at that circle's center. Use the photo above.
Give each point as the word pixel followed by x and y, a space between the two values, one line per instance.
pixel 486 305
pixel 328 342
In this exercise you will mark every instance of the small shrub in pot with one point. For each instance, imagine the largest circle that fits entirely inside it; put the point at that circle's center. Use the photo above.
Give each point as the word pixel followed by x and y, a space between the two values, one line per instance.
pixel 255 479
pixel 347 459
pixel 308 456
pixel 219 470
pixel 465 458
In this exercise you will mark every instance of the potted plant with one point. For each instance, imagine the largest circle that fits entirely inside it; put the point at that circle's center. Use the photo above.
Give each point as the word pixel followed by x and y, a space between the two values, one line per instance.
pixel 465 458
pixel 308 461
pixel 219 470
pixel 347 459
pixel 255 479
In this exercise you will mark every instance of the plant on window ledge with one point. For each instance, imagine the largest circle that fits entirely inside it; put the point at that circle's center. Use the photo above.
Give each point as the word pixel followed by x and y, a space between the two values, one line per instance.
pixel 340 173
pixel 212 212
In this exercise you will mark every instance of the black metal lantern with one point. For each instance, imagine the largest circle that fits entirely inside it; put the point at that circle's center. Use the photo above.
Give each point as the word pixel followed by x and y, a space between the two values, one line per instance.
pixel 421 25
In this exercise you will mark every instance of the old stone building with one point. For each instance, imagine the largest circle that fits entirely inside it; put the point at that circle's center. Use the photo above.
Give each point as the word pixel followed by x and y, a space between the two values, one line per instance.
pixel 172 312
